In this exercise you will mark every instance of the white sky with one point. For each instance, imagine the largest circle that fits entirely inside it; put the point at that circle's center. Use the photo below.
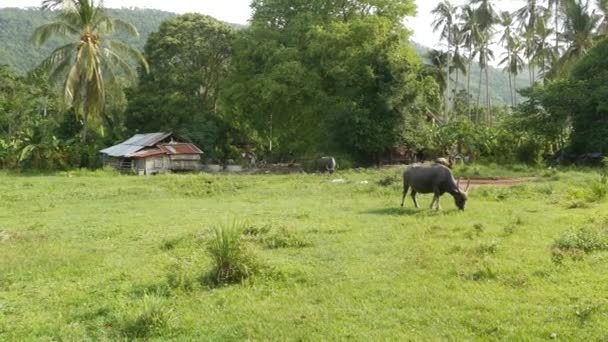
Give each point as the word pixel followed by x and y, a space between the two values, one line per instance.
pixel 238 11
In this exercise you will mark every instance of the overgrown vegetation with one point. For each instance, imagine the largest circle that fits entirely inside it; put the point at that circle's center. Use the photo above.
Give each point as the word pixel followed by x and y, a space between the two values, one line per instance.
pixel 308 80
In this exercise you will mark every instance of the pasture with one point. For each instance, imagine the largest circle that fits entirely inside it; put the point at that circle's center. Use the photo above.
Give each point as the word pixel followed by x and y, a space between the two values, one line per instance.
pixel 102 256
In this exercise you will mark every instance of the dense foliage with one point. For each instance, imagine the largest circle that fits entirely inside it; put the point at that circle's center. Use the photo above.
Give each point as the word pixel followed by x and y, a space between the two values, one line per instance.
pixel 307 78
pixel 327 78
pixel 189 57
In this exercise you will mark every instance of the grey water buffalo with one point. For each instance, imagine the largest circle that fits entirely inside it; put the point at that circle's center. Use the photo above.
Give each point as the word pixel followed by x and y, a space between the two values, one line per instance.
pixel 326 164
pixel 436 179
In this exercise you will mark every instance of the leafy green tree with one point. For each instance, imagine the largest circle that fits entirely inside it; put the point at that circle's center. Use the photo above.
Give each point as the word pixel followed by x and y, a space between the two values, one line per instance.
pixel 29 116
pixel 189 58
pixel 90 59
pixel 340 77
pixel 582 100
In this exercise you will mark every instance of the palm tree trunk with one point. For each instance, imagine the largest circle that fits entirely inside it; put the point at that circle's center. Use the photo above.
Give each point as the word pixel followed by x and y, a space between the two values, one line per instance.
pixel 511 89
pixel 515 87
pixel 556 27
pixel 455 85
pixel 479 89
pixel 488 95
pixel 469 84
pixel 85 124
pixel 446 110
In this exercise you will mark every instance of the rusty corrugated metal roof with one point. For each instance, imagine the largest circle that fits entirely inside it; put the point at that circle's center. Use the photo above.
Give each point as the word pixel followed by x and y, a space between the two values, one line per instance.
pixel 135 143
pixel 180 148
pixel 147 153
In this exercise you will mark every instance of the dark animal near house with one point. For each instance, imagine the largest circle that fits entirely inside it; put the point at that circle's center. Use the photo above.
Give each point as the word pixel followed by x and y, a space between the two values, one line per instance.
pixel 436 179
pixel 326 164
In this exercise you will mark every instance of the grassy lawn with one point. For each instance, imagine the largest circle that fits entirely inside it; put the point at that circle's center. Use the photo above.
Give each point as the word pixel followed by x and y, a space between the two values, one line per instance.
pixel 99 256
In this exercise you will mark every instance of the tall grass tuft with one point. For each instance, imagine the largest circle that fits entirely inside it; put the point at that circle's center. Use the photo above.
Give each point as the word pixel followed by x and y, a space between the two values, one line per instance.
pixel 232 261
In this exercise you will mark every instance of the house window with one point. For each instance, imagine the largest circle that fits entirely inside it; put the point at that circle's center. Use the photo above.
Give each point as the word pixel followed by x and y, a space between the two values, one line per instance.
pixel 158 163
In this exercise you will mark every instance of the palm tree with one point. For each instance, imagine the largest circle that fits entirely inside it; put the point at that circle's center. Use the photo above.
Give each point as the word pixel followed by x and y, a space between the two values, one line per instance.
pixel 470 35
pixel 602 6
pixel 544 54
pixel 485 55
pixel 513 65
pixel 459 61
pixel 508 41
pixel 556 5
pixel 579 28
pixel 444 14
pixel 487 17
pixel 528 16
pixel 437 67
pixel 90 59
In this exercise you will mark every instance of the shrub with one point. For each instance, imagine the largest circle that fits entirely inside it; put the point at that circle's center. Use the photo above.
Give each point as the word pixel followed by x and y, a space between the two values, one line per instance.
pixel 599 188
pixel 232 261
pixel 586 239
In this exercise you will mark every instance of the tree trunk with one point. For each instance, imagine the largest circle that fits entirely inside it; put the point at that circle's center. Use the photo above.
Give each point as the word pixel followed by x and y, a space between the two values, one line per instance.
pixel 511 89
pixel 488 95
pixel 479 90
pixel 446 110
pixel 556 27
pixel 515 87
pixel 469 83
pixel 85 118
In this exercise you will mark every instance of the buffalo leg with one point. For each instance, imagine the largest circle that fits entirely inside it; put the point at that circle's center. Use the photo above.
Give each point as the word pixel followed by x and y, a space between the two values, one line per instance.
pixel 433 201
pixel 414 198
pixel 405 189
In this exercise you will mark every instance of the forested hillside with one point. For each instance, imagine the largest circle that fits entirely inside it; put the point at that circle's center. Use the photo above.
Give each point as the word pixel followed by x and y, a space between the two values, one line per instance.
pixel 19 53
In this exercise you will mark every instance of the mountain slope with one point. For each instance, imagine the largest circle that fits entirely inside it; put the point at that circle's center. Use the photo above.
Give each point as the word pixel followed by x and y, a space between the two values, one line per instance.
pixel 18 25
pixel 499 81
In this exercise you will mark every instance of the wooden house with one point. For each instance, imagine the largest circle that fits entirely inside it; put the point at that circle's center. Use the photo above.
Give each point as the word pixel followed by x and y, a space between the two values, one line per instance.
pixel 153 153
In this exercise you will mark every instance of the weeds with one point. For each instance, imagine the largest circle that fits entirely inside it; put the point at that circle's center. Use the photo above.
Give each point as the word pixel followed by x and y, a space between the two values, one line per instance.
pixel 486 248
pixel 387 181
pixel 586 239
pixel 232 261
pixel 599 188
pixel 180 276
pixel 284 238
pixel 155 316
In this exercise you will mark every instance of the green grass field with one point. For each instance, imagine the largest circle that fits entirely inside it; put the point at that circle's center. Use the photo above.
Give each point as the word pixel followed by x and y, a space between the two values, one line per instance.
pixel 101 256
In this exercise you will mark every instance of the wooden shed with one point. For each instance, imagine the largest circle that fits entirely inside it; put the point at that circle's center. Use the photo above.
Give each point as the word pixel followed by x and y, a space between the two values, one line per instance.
pixel 153 153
